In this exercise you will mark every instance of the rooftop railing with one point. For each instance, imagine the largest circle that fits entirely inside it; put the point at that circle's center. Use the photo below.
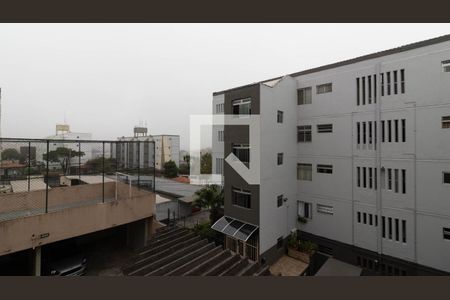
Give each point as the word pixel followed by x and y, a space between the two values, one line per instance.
pixel 43 175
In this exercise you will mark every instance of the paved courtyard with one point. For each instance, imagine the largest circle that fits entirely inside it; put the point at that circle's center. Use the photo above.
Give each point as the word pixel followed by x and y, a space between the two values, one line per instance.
pixel 334 267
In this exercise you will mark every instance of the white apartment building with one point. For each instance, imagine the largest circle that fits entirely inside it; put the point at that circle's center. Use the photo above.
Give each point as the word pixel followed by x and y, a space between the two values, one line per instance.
pixel 62 133
pixel 356 155
pixel 167 147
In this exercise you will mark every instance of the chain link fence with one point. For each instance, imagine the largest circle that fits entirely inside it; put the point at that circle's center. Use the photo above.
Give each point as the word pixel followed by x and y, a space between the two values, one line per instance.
pixel 40 176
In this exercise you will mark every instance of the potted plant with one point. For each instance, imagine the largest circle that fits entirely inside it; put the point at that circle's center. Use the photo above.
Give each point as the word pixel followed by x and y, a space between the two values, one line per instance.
pixel 300 249
pixel 302 220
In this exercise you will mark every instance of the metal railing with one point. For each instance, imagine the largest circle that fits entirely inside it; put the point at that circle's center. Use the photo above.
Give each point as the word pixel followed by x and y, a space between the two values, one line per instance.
pixel 35 174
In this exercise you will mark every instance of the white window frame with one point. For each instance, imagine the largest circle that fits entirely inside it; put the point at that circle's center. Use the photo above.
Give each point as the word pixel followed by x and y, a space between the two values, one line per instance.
pixel 306 97
pixel 324 169
pixel 301 209
pixel 242 102
pixel 446 66
pixel 324 88
pixel 322 128
pixel 280 117
pixel 445 122
pixel 325 209
pixel 305 174
pixel 443 177
pixel 305 129
pixel 220 135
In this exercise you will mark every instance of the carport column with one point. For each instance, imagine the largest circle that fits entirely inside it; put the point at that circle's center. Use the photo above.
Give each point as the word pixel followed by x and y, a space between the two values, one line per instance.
pixel 37 261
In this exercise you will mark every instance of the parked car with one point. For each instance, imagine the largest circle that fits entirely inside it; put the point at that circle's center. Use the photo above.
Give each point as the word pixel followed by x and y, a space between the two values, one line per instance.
pixel 63 259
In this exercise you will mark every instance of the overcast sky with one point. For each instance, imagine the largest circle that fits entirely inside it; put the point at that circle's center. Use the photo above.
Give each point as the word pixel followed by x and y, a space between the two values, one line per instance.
pixel 106 78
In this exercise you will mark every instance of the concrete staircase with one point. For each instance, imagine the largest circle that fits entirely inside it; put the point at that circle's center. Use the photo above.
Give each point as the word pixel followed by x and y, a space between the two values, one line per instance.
pixel 175 251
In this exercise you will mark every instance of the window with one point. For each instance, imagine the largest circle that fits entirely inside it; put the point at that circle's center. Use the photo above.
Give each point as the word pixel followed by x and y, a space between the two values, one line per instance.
pixel 382 131
pixel 219 108
pixel 396 130
pixel 363 90
pixel 369 87
pixel 279 200
pixel 304 209
pixel 396 180
pixel 304 96
pixel 325 209
pixel 382 84
pixel 383 226
pixel 280 242
pixel 403 181
pixel 446 66
pixel 396 230
pixel 358 176
pixel 279 116
pixel 389 124
pixel 370 178
pixel 219 165
pixel 242 106
pixel 364 218
pixel 304 172
pixel 357 91
pixel 324 88
pixel 242 151
pixel 370 219
pixel 446 233
pixel 325 128
pixel 327 169
pixel 358 132
pixel 364 132
pixel 446 122
pixel 395 83
pixel 402 81
pixel 364 177
pixel 375 177
pixel 359 217
pixel 220 135
pixel 403 130
pixel 446 177
pixel 389 179
pixel 241 198
pixel 390 228
pixel 403 231
pixel 375 88
pixel 279 158
pixel 370 132
pixel 388 78
pixel 304 133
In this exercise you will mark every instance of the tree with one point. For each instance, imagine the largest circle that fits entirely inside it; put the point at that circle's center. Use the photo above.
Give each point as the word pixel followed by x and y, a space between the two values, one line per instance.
pixel 96 165
pixel 11 154
pixel 184 169
pixel 62 156
pixel 170 169
pixel 210 197
pixel 206 163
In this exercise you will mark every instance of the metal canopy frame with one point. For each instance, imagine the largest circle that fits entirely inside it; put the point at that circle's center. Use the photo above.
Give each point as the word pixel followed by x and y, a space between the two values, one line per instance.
pixel 242 232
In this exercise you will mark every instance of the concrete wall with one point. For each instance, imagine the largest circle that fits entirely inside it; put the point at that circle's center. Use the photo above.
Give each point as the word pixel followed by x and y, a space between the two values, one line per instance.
pixel 276 222
pixel 23 233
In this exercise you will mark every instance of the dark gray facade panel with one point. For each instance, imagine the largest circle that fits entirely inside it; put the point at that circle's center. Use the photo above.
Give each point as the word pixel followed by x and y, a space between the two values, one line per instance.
pixel 237 134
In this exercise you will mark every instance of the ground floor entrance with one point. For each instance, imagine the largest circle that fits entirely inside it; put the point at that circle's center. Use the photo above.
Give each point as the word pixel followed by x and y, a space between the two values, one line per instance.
pixel 248 249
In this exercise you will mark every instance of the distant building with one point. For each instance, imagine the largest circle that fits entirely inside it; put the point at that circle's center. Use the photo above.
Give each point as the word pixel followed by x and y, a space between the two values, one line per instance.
pixel 63 133
pixel 167 147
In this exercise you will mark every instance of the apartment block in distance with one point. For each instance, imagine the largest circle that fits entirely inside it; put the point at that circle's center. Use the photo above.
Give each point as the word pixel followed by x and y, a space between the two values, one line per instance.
pixel 167 147
pixel 356 155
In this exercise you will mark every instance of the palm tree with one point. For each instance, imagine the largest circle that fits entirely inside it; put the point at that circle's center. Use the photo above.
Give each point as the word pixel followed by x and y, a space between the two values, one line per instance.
pixel 211 198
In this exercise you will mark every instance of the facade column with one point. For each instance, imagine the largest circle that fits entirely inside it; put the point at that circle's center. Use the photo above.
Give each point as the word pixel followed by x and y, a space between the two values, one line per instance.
pixel 37 261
